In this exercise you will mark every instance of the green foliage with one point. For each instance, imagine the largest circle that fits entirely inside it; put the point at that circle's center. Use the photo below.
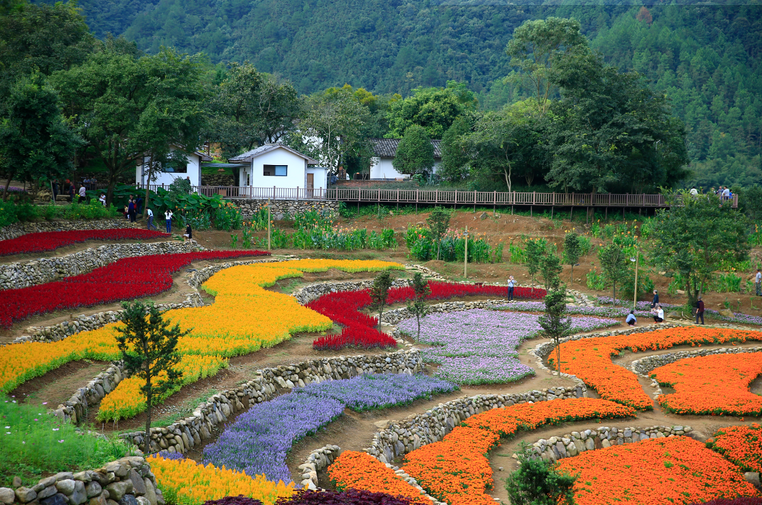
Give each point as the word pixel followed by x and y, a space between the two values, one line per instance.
pixel 415 153
pixel 572 250
pixel 536 249
pixel 615 263
pixel 455 154
pixel 149 351
pixel 452 247
pixel 517 254
pixel 727 283
pixel 313 220
pixel 439 222
pixel 14 212
pixel 536 482
pixel 200 211
pixel 694 239
pixel 550 269
pixel 434 109
pixel 379 291
pixel 35 141
pixel 418 305
pixel 36 443
pixel 595 280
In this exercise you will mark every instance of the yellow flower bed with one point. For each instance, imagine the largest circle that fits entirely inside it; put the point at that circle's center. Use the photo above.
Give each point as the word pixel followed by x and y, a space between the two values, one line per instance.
pixel 185 483
pixel 128 401
pixel 244 318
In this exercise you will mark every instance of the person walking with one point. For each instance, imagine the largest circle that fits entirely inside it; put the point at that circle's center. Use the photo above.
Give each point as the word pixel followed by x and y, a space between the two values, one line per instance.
pixel 131 210
pixel 699 310
pixel 188 234
pixel 758 282
pixel 82 193
pixel 631 320
pixel 168 218
pixel 149 212
pixel 655 301
pixel 511 285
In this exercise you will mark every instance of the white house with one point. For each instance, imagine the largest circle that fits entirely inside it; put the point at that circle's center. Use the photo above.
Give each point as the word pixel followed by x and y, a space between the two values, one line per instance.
pixel 276 165
pixel 385 150
pixel 191 170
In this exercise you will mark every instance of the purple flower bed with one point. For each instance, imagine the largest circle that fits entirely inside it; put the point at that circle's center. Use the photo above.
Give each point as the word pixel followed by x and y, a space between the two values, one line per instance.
pixel 573 309
pixel 646 306
pixel 641 305
pixel 480 346
pixel 260 439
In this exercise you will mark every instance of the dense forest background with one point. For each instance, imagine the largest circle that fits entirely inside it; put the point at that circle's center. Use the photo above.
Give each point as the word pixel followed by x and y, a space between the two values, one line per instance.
pixel 705 59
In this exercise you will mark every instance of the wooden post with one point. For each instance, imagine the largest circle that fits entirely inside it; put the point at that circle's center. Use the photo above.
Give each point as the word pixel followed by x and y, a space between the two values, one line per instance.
pixel 273 192
pixel 474 201
pixel 436 197
pixel 465 257
pixel 494 202
pixel 268 226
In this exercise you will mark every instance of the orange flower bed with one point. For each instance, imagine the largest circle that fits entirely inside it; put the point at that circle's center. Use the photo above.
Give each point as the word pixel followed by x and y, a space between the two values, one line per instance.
pixel 740 444
pixel 590 358
pixel 717 384
pixel 675 470
pixel 456 470
pixel 360 470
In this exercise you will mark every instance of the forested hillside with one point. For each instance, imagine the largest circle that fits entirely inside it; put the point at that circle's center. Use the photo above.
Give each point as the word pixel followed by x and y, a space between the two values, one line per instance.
pixel 706 59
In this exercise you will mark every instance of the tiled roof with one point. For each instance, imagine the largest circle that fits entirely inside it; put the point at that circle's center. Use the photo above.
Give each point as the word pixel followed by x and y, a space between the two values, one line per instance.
pixel 387 148
pixel 259 151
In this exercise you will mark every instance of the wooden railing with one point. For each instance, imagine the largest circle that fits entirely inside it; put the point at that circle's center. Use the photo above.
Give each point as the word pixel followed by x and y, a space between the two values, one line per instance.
pixel 443 197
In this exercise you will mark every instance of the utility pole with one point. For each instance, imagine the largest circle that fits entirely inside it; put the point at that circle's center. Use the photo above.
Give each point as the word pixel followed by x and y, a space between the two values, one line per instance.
pixel 465 257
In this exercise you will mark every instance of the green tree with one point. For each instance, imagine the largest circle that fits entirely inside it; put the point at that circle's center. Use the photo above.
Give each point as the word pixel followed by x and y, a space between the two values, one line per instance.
pixel 550 268
pixel 379 291
pixel 333 128
pixel 250 108
pixel 455 152
pixel 35 141
pixel 418 306
pixel 439 222
pixel 38 37
pixel 537 482
pixel 149 351
pixel 536 250
pixel 554 323
pixel 696 237
pixel 130 107
pixel 572 251
pixel 540 44
pixel 435 109
pixel 415 152
pixel 615 263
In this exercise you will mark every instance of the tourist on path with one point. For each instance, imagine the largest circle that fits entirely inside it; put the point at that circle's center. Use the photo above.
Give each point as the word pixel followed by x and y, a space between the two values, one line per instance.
pixel 168 217
pixel 758 282
pixel 131 210
pixel 655 301
pixel 188 234
pixel 699 310
pixel 150 219
pixel 511 285
pixel 631 320
pixel 659 315
pixel 82 193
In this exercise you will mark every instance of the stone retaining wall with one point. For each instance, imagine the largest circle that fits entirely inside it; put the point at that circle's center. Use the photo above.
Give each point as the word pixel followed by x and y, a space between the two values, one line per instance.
pixel 279 208
pixel 75 409
pixel 127 481
pixel 18 229
pixel 266 384
pixel 401 437
pixel 310 292
pixel 577 442
pixel 39 271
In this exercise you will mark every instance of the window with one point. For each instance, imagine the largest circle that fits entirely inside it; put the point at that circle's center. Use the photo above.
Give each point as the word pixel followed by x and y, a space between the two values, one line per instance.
pixel 276 170
pixel 175 168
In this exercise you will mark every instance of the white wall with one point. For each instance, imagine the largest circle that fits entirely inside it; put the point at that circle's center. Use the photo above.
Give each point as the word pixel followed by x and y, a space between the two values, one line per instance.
pixel 321 177
pixel 382 168
pixel 167 178
pixel 296 170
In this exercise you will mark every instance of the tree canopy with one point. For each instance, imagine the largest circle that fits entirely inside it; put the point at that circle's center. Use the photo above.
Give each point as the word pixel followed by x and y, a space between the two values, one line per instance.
pixel 415 153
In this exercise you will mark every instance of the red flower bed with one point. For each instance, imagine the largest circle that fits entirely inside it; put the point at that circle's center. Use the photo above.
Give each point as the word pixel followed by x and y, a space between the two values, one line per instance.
pixel 344 308
pixel 125 279
pixel 50 240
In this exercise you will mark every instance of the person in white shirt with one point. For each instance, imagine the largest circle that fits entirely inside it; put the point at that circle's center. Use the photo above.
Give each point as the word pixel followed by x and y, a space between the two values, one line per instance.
pixel 168 217
pixel 102 199
pixel 694 192
pixel 659 315
pixel 82 193
pixel 149 212
pixel 758 282
pixel 511 285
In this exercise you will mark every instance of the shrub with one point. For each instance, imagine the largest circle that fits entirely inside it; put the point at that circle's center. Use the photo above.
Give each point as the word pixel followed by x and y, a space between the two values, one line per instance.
pixel 536 482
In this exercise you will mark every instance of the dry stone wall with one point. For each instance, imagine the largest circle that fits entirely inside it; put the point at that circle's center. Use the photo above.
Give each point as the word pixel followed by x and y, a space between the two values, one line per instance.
pixel 279 208
pixel 577 442
pixel 401 437
pixel 39 271
pixel 266 384
pixel 126 481
pixel 17 229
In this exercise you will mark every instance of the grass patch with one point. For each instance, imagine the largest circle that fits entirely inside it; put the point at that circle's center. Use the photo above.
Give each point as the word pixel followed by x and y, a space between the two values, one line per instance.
pixel 184 410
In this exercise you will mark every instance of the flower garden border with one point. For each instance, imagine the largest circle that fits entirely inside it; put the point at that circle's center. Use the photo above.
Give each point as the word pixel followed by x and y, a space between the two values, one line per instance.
pixel 572 444
pixel 18 229
pixel 22 274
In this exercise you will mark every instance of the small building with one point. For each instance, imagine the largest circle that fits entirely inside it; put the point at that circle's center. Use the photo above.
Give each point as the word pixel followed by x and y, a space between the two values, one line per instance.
pixel 279 166
pixel 381 167
pixel 190 170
